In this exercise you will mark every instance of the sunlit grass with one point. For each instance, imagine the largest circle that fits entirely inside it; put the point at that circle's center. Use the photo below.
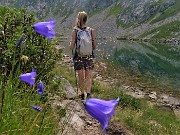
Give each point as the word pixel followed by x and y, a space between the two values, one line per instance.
pixel 138 115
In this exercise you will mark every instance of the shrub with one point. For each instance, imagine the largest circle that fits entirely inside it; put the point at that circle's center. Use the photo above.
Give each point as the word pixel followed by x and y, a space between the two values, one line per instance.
pixel 18 40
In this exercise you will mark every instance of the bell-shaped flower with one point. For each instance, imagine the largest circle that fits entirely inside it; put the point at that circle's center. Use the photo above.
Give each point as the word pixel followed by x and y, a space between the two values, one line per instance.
pixel 56 77
pixel 41 88
pixel 39 109
pixel 28 77
pixel 101 110
pixel 45 29
pixel 20 41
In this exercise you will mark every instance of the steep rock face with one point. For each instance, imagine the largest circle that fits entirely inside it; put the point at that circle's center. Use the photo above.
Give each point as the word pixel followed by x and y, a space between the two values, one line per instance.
pixel 141 10
pixel 132 10
pixel 58 7
pixel 129 15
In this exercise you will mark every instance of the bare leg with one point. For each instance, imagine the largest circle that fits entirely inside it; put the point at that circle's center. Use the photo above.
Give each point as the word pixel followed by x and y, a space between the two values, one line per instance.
pixel 81 80
pixel 88 77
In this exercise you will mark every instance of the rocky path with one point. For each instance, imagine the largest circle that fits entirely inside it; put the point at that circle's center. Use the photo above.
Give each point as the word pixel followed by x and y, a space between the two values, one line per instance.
pixel 76 120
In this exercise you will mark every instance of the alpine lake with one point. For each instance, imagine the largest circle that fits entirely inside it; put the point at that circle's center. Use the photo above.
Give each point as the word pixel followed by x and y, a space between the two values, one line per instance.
pixel 154 66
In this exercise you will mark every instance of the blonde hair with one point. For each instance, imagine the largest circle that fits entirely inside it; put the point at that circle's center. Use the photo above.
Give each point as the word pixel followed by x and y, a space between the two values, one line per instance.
pixel 81 19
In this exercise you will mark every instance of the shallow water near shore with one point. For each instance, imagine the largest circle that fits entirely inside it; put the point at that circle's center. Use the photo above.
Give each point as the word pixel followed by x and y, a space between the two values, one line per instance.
pixel 158 62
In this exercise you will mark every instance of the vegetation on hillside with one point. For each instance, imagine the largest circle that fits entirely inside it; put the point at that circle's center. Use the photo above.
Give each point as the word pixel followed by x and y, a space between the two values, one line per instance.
pixel 128 16
pixel 140 116
pixel 167 31
pixel 171 11
pixel 23 50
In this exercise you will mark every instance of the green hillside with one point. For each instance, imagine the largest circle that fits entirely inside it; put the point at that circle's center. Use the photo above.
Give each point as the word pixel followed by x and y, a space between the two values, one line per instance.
pixel 167 31
pixel 173 10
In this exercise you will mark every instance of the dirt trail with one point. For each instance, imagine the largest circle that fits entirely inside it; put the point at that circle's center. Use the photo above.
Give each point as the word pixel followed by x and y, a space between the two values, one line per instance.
pixel 76 120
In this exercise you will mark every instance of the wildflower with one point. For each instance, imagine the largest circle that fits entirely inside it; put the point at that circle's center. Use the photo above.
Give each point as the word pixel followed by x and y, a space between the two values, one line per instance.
pixel 36 108
pixel 28 77
pixel 41 88
pixel 45 29
pixel 20 41
pixel 56 77
pixel 61 76
pixel 24 58
pixel 101 110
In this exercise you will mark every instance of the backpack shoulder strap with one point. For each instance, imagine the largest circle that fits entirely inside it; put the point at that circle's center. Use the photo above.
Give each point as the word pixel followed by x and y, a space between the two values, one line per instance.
pixel 90 30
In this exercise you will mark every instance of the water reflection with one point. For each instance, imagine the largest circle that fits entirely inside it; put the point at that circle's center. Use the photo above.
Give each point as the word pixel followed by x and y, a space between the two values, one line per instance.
pixel 157 61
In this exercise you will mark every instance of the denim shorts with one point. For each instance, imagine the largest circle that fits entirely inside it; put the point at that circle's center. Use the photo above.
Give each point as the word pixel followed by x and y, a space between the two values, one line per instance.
pixel 83 63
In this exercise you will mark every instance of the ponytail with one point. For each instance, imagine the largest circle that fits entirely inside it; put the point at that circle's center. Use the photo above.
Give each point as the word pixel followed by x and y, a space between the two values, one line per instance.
pixel 81 19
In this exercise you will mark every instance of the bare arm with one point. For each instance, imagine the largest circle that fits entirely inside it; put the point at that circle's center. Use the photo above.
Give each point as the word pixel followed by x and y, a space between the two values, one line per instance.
pixel 72 41
pixel 93 38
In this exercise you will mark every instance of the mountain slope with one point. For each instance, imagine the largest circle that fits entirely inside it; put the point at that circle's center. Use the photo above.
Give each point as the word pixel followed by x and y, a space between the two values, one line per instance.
pixel 110 18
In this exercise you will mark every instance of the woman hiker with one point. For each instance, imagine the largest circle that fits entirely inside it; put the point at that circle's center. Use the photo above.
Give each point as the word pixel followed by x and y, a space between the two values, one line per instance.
pixel 83 64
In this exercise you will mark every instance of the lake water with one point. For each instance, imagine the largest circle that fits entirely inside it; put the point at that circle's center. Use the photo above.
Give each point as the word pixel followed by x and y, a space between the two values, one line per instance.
pixel 160 62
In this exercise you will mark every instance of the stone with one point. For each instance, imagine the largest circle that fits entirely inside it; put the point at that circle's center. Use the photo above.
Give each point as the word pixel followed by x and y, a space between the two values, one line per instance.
pixel 153 96
pixel 72 122
pixel 69 91
pixel 174 101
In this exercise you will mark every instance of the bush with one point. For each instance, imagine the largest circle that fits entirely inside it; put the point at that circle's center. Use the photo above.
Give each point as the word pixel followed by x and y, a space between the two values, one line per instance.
pixel 41 54
pixel 21 50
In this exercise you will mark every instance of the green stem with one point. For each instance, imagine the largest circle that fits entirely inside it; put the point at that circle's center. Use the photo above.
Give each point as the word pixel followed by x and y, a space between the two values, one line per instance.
pixel 42 120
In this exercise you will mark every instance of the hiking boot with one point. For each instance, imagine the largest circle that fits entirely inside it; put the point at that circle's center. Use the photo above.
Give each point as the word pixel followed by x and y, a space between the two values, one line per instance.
pixel 88 96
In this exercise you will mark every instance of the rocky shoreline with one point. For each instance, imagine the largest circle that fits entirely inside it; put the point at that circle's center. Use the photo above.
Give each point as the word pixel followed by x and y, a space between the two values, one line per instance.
pixel 163 41
pixel 162 100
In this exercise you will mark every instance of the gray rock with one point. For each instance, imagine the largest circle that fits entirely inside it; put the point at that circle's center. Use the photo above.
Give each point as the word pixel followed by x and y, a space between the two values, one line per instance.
pixel 72 123
pixel 174 101
pixel 69 91
pixel 153 95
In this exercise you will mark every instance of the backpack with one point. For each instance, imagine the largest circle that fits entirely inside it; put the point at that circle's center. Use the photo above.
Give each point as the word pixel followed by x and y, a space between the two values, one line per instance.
pixel 84 42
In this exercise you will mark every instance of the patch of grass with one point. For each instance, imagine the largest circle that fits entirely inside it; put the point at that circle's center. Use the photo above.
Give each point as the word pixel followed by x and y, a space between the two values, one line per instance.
pixel 115 10
pixel 107 93
pixel 66 73
pixel 137 114
pixel 171 11
pixel 18 117
pixel 95 12
pixel 167 31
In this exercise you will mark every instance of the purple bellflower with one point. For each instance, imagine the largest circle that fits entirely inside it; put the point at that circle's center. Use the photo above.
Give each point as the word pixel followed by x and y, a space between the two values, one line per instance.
pixel 41 89
pixel 45 29
pixel 101 110
pixel 28 77
pixel 20 41
pixel 36 108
